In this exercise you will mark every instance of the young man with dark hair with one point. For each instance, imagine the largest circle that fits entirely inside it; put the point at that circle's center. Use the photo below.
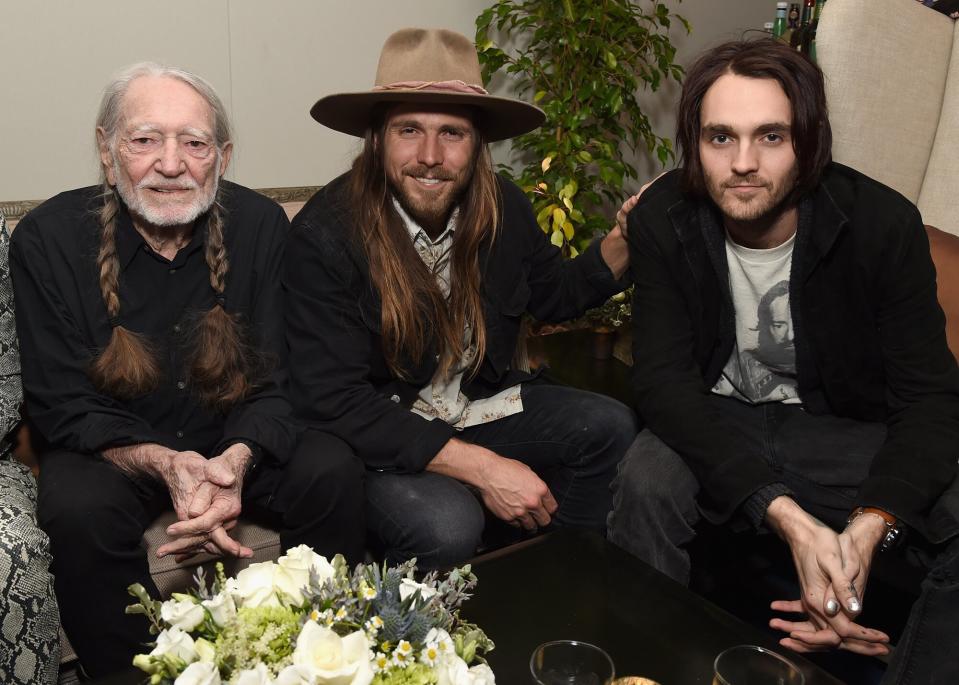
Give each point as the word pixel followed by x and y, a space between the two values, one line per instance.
pixel 762 259
pixel 407 280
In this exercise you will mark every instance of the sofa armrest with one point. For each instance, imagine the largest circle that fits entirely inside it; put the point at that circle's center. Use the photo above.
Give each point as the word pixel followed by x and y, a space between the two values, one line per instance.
pixel 944 248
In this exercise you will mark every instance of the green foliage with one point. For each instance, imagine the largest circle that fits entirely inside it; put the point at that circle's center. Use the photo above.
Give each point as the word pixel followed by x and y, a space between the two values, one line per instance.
pixel 146 606
pixel 584 62
pixel 414 674
pixel 261 634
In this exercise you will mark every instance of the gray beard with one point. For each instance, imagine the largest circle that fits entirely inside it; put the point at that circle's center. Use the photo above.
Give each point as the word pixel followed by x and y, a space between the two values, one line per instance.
pixel 153 216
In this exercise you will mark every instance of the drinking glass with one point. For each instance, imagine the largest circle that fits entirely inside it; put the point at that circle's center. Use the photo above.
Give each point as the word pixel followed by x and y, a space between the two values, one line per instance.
pixel 569 662
pixel 751 665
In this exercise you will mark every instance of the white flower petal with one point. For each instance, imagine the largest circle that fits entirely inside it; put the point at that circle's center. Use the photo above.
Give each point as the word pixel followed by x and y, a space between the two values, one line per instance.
pixel 255 676
pixel 409 587
pixel 200 673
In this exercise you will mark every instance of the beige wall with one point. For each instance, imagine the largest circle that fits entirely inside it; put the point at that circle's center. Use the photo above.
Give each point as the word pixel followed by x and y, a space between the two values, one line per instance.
pixel 268 60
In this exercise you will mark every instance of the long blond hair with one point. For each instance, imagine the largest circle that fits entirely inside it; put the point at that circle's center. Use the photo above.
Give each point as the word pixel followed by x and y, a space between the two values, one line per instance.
pixel 412 303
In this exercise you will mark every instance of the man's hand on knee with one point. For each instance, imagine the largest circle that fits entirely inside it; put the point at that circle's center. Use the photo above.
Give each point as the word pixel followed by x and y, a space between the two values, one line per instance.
pixel 514 493
pixel 509 488
pixel 213 509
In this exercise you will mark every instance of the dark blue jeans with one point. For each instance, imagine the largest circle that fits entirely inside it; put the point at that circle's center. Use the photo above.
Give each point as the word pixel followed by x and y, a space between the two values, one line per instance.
pixel 571 438
pixel 823 460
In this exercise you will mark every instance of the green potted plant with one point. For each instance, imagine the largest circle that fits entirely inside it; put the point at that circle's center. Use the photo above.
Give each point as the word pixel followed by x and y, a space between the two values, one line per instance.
pixel 585 63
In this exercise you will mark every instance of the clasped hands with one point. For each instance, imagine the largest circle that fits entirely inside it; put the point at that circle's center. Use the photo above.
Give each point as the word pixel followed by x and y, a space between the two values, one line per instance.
pixel 833 569
pixel 206 499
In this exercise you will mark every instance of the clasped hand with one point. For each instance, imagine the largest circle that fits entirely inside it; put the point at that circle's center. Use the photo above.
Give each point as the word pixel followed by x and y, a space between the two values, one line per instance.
pixel 206 499
pixel 833 570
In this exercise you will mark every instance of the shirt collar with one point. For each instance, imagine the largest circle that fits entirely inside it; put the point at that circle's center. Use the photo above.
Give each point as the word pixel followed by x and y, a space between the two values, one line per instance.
pixel 417 232
pixel 129 240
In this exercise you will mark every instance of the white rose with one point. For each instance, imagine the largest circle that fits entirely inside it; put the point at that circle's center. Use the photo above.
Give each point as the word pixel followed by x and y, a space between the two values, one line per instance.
pixel 295 675
pixel 182 612
pixel 482 675
pixel 452 670
pixel 177 643
pixel 293 574
pixel 256 676
pixel 330 659
pixel 200 673
pixel 409 587
pixel 222 608
pixel 205 650
pixel 254 586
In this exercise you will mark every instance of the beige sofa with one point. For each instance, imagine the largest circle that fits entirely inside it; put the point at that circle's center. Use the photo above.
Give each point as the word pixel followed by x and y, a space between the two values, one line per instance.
pixel 892 82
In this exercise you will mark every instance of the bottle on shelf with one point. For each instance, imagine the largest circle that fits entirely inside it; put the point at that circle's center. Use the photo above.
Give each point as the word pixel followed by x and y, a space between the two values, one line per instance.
pixel 809 39
pixel 808 9
pixel 792 22
pixel 779 26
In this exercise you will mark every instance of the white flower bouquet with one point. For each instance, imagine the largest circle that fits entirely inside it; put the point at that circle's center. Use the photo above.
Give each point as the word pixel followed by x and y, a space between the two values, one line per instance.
pixel 307 621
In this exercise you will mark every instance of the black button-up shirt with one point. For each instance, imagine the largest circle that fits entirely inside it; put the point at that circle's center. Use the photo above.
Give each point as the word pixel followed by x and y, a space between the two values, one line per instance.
pixel 62 323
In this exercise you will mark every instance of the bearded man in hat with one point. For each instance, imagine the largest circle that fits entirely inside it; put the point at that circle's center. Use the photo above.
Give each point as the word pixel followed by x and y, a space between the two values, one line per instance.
pixel 407 279
pixel 148 309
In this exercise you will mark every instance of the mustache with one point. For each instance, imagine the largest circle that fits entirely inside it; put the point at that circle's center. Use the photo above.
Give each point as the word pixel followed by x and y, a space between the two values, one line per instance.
pixel 749 180
pixel 423 171
pixel 157 184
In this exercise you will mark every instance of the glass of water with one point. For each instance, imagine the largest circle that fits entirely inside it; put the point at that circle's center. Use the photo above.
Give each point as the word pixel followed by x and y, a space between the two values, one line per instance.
pixel 569 662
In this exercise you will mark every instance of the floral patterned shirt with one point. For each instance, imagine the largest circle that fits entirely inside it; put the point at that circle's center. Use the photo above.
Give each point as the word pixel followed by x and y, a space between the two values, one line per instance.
pixel 443 398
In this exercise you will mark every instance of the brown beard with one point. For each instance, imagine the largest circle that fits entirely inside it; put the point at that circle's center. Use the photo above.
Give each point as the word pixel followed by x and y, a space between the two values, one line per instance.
pixel 430 214
pixel 755 210
pixel 416 317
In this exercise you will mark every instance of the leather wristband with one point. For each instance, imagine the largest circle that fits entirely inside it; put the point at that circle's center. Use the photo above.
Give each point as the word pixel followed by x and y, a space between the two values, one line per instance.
pixel 894 529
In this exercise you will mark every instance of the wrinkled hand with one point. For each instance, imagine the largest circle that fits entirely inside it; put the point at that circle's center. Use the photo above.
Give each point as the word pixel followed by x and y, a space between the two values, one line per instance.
pixel 832 571
pixel 630 203
pixel 210 508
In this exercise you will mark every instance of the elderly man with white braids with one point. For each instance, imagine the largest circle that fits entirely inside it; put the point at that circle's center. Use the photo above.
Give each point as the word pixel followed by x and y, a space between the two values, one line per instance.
pixel 154 363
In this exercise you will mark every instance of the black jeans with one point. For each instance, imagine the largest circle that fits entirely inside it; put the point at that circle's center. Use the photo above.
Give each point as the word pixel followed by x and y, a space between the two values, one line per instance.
pixel 823 460
pixel 95 517
pixel 571 438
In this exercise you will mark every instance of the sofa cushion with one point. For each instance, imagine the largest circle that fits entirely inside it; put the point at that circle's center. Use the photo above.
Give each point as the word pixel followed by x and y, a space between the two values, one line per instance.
pixel 885 71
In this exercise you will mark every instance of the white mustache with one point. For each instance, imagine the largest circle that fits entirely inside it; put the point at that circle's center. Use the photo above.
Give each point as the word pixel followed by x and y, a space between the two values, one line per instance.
pixel 153 185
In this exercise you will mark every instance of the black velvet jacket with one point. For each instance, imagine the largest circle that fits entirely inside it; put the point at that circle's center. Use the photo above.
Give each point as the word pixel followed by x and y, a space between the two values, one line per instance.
pixel 869 338
pixel 341 381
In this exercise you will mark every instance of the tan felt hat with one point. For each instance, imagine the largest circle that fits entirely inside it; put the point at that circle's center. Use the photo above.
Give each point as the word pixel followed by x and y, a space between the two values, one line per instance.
pixel 429 66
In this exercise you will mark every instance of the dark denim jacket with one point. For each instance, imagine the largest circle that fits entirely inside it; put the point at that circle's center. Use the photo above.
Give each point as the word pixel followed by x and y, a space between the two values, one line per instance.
pixel 870 340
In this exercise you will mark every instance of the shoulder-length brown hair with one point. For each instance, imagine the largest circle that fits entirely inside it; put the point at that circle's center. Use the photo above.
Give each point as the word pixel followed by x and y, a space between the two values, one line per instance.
pixel 416 318
pixel 800 79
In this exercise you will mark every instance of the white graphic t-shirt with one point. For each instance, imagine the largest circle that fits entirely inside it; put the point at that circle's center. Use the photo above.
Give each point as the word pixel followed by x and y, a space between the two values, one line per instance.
pixel 762 366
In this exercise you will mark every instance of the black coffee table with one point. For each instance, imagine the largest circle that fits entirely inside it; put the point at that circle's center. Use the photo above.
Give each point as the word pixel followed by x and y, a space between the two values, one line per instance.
pixel 575 585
